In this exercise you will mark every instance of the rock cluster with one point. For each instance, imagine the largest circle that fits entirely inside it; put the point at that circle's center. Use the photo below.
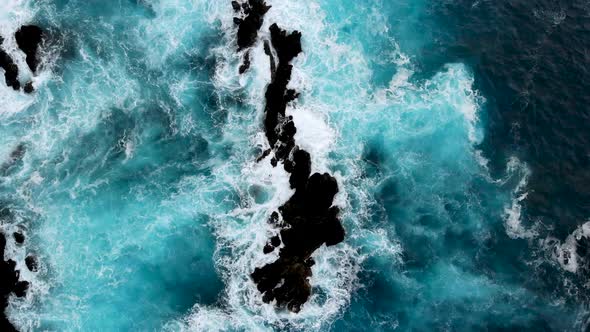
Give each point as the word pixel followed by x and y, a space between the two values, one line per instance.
pixel 10 282
pixel 28 39
pixel 251 16
pixel 307 220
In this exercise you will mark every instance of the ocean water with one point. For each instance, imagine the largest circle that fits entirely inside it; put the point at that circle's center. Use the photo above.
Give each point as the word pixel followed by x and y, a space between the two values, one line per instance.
pixel 457 131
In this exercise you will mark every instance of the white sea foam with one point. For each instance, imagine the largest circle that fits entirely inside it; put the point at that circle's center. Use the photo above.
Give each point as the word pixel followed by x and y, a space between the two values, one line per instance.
pixel 313 135
pixel 513 213
pixel 555 17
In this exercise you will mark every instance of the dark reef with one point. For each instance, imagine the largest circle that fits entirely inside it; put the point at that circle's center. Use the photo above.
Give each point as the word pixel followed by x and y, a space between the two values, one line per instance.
pixel 308 220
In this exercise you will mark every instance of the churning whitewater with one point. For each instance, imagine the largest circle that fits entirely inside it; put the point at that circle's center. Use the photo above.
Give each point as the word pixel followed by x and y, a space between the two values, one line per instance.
pixel 278 165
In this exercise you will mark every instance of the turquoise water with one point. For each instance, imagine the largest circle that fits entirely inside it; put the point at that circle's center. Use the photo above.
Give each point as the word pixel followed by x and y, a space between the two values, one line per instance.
pixel 140 194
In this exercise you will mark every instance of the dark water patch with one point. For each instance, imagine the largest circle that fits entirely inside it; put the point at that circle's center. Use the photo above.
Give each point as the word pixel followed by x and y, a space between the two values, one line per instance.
pixel 14 159
pixel 530 62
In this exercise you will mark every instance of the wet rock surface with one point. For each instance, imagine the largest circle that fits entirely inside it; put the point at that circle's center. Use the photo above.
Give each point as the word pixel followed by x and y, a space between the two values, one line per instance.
pixel 18 237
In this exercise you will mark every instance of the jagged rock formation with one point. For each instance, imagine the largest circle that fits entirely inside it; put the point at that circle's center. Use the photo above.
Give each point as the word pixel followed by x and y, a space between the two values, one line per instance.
pixel 253 12
pixel 308 220
pixel 28 39
pixel 248 27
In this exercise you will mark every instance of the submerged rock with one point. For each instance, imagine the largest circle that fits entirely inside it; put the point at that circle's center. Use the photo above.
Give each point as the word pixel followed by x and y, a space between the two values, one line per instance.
pixel 28 39
pixel 15 157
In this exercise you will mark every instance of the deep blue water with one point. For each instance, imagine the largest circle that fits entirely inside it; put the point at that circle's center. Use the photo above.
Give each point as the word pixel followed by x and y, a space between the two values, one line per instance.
pixel 458 132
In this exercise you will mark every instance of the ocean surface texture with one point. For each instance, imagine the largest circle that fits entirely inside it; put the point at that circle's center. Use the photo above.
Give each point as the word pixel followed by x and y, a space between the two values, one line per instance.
pixel 135 191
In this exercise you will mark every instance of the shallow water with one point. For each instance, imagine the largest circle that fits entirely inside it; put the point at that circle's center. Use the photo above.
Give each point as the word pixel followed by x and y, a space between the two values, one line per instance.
pixel 140 193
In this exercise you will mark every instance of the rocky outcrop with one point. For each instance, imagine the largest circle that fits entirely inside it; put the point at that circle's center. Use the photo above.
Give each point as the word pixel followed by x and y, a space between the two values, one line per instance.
pixel 10 68
pixel 28 39
pixel 254 11
pixel 9 284
pixel 307 220
pixel 251 16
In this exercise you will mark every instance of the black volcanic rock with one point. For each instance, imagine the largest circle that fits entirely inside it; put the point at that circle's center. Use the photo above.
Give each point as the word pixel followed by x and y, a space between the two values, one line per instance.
pixel 249 26
pixel 10 69
pixel 294 274
pixel 268 249
pixel 246 65
pixel 301 169
pixel 28 88
pixel 28 38
pixel 18 237
pixel 9 283
pixel 31 263
pixel 236 6
pixel 275 241
pixel 288 46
